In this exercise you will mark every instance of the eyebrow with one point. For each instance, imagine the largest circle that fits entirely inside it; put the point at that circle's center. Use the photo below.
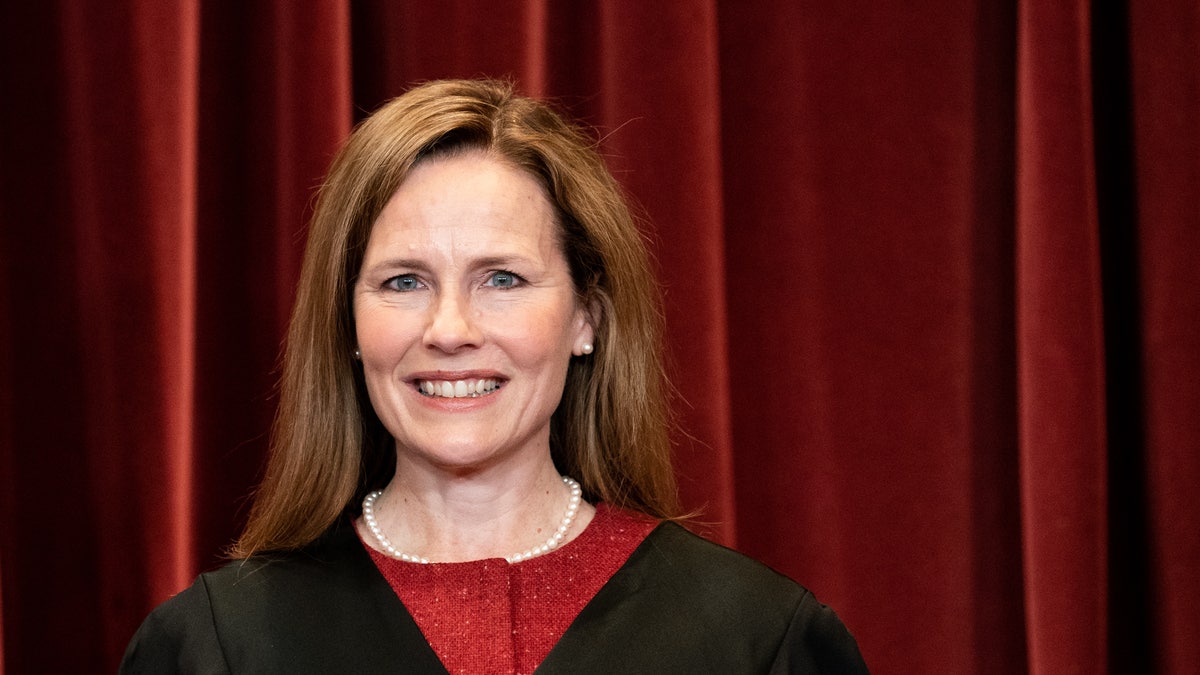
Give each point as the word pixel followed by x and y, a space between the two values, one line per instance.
pixel 418 265
pixel 390 263
pixel 501 261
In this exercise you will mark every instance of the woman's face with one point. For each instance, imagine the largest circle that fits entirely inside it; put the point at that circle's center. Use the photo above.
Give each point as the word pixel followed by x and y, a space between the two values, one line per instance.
pixel 466 315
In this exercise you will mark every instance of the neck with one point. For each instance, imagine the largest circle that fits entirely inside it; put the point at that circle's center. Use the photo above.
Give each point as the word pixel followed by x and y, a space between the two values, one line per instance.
pixel 456 516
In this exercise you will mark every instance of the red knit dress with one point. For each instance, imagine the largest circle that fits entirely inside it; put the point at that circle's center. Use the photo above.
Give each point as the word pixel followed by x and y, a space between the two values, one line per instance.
pixel 489 616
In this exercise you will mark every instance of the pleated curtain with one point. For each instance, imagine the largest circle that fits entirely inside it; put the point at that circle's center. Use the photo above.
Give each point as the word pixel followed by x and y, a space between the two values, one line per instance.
pixel 929 269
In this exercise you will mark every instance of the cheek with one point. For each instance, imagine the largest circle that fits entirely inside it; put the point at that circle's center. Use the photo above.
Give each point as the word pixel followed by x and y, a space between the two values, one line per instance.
pixel 538 339
pixel 380 335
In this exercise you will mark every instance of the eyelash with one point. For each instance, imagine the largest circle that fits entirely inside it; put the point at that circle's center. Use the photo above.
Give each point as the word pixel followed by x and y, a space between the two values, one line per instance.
pixel 392 282
pixel 517 279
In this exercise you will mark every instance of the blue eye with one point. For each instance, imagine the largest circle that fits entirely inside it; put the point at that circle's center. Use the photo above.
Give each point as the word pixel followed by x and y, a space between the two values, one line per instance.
pixel 503 280
pixel 404 282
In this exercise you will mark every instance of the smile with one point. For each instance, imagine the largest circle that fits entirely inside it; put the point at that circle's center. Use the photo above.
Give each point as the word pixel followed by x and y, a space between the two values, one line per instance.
pixel 457 388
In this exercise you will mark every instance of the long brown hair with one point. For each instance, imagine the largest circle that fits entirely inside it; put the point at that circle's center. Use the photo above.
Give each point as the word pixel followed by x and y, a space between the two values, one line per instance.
pixel 610 431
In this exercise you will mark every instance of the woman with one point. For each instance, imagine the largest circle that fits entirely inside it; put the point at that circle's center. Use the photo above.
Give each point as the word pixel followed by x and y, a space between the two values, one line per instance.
pixel 470 466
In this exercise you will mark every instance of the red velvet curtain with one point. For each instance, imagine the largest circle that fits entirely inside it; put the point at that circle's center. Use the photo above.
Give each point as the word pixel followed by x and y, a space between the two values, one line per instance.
pixel 929 268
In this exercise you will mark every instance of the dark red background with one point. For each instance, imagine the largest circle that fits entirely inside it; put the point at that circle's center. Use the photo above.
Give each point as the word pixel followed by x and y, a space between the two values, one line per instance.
pixel 930 271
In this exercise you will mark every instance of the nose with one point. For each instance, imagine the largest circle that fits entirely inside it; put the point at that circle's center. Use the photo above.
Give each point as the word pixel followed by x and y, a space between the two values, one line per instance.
pixel 450 325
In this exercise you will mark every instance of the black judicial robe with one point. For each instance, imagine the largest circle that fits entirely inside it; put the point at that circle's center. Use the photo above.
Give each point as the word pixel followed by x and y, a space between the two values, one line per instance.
pixel 680 604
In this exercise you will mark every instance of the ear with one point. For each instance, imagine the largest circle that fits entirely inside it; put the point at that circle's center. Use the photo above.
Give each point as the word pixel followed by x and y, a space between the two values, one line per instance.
pixel 585 332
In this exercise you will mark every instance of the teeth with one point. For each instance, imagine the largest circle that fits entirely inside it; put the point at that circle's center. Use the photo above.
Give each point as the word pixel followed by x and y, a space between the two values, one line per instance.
pixel 458 388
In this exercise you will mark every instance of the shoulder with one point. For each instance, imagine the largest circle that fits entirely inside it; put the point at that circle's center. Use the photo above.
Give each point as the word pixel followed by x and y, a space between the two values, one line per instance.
pixel 713 579
pixel 191 631
pixel 728 577
pixel 322 609
pixel 178 635
pixel 733 609
pixel 334 565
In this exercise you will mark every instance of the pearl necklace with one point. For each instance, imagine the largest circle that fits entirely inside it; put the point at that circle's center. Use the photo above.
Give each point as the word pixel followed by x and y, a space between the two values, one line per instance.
pixel 368 510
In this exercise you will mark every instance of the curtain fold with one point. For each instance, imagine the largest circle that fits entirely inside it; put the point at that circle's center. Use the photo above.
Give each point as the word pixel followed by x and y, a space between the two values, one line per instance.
pixel 658 115
pixel 275 96
pixel 931 295
pixel 1164 41
pixel 1060 344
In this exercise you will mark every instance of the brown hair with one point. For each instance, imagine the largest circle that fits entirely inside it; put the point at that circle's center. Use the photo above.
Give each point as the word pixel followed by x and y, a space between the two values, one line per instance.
pixel 610 431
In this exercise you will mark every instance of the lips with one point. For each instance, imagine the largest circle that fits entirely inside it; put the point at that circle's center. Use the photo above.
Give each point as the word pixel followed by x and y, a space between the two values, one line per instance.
pixel 466 388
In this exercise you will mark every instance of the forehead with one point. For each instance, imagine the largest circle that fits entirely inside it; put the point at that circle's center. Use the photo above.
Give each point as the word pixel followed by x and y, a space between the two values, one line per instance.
pixel 469 199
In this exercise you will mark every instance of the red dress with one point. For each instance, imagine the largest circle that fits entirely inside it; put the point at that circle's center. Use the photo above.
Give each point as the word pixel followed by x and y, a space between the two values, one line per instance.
pixel 489 616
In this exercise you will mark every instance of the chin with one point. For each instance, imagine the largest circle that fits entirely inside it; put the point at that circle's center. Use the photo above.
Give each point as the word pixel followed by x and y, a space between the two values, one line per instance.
pixel 457 457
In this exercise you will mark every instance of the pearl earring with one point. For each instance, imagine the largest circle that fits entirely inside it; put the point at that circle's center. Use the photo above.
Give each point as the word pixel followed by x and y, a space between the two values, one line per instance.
pixel 357 355
pixel 586 348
